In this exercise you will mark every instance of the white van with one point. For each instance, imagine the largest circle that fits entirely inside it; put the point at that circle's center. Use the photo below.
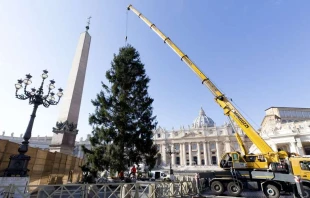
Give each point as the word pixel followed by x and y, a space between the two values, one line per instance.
pixel 157 175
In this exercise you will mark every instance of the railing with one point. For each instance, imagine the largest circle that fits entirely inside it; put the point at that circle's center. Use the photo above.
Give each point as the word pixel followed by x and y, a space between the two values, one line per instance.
pixel 202 185
pixel 104 190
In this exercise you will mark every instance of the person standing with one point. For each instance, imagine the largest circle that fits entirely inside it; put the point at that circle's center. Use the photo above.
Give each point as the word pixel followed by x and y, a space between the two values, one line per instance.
pixel 121 175
pixel 133 171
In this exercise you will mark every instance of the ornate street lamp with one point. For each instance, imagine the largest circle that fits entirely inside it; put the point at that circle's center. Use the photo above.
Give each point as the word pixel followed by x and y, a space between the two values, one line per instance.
pixel 18 163
pixel 170 152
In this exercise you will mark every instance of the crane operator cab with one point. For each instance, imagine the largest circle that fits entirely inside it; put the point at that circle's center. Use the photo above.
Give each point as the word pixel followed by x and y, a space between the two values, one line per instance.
pixel 233 160
pixel 251 161
pixel 301 166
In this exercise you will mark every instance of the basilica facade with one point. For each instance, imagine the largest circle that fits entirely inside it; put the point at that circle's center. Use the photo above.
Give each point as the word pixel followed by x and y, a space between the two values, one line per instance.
pixel 200 144
pixel 286 128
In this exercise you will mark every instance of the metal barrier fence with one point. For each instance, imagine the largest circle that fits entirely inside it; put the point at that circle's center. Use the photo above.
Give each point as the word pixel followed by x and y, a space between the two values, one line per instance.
pixel 202 185
pixel 105 190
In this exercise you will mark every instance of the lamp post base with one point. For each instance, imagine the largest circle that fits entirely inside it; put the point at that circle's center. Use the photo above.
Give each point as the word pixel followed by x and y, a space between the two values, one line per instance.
pixel 17 166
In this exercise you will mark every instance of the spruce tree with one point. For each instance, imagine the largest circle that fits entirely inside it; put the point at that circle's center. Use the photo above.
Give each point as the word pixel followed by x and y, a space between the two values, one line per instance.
pixel 123 121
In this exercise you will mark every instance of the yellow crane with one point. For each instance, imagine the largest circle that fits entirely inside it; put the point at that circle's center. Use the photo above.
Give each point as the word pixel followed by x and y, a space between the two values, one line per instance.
pixel 249 167
pixel 267 153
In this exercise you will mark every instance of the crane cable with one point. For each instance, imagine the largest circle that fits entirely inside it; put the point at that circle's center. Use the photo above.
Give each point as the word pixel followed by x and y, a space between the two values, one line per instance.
pixel 246 114
pixel 126 28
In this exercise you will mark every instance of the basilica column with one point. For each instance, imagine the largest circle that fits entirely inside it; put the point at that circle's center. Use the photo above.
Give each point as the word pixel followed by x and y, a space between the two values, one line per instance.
pixel 163 152
pixel 293 148
pixel 190 153
pixel 184 154
pixel 217 151
pixel 173 155
pixel 180 153
pixel 198 154
pixel 274 147
pixel 300 148
pixel 208 153
pixel 205 153
pixel 227 146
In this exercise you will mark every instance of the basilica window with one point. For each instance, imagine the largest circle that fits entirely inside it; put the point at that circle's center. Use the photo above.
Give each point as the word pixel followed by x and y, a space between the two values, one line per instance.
pixel 177 147
pixel 307 150
pixel 306 114
pixel 214 160
pixel 212 146
pixel 194 146
pixel 158 135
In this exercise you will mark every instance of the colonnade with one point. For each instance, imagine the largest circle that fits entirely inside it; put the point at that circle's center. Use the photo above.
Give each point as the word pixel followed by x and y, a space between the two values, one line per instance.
pixel 193 153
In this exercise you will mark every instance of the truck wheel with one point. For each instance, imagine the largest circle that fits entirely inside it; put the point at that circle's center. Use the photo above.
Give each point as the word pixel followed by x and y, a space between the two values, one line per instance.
pixel 234 189
pixel 217 187
pixel 271 191
pixel 306 192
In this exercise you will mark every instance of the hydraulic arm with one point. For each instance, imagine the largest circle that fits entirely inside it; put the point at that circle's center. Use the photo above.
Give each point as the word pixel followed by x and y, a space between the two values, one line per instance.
pixel 220 98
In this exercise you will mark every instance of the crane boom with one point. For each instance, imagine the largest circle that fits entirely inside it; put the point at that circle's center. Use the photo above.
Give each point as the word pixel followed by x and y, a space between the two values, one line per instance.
pixel 241 144
pixel 220 98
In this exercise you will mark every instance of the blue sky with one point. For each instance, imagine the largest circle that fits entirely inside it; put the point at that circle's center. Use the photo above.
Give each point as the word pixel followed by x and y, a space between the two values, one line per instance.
pixel 256 52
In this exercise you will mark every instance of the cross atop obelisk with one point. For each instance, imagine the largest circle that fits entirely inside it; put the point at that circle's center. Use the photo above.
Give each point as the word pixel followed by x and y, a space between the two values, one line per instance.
pixel 65 132
pixel 88 22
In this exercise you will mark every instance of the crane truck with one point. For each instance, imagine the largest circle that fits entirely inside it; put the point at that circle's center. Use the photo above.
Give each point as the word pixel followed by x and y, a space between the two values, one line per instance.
pixel 271 171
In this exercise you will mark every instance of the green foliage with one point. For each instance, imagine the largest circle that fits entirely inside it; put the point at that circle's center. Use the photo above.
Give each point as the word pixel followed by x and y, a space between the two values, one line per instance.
pixel 89 174
pixel 123 121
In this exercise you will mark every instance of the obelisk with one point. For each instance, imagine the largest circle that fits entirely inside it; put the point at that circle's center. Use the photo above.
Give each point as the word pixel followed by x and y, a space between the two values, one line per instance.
pixel 65 132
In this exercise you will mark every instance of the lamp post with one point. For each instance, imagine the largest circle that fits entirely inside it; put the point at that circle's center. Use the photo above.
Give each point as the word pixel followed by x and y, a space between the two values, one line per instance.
pixel 18 163
pixel 170 152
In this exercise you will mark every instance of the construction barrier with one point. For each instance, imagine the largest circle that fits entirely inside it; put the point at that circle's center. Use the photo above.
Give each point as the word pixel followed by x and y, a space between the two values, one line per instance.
pixel 44 167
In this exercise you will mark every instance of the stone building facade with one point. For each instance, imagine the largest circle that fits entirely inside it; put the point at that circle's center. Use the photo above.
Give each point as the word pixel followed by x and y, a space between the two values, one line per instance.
pixel 206 141
pixel 35 142
pixel 200 144
pixel 283 128
pixel 44 142
pixel 78 146
pixel 286 128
